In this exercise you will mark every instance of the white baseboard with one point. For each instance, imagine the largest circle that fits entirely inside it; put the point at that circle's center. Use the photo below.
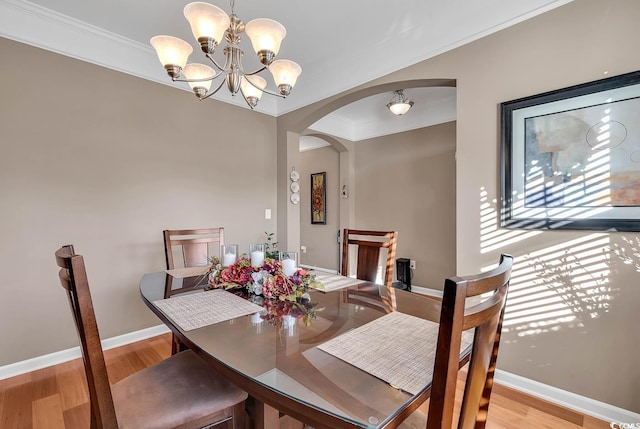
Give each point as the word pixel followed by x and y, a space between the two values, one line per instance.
pixel 426 291
pixel 582 404
pixel 33 364
pixel 326 270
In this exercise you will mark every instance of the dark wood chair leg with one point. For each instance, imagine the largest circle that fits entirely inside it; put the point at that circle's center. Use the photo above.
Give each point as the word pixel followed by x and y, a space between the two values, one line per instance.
pixel 239 414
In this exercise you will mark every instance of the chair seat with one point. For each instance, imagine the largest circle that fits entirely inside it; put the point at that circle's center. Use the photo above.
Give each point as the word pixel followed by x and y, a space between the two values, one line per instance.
pixel 183 386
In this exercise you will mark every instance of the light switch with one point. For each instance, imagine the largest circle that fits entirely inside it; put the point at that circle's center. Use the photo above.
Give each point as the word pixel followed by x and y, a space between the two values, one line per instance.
pixel 267 213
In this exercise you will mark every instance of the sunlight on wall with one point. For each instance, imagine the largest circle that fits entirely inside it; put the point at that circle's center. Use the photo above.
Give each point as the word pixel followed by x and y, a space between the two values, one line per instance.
pixel 491 237
pixel 564 285
pixel 629 252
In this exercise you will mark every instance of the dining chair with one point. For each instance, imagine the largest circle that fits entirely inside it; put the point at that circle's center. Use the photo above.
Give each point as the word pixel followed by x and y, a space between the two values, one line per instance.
pixel 368 246
pixel 194 245
pixel 474 303
pixel 182 391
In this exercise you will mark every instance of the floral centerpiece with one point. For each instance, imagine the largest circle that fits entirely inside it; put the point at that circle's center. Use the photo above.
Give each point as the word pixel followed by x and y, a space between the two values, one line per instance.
pixel 269 280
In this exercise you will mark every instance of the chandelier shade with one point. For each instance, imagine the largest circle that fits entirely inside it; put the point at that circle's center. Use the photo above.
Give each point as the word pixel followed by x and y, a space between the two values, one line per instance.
pixel 207 21
pixel 285 73
pixel 199 76
pixel 266 35
pixel 252 87
pixel 399 104
pixel 172 52
pixel 210 25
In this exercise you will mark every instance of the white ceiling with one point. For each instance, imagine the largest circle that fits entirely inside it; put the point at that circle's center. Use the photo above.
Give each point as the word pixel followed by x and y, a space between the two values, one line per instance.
pixel 369 117
pixel 339 44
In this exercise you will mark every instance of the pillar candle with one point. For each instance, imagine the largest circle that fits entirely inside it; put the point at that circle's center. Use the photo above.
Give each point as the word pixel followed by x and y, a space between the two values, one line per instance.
pixel 257 257
pixel 289 267
pixel 228 259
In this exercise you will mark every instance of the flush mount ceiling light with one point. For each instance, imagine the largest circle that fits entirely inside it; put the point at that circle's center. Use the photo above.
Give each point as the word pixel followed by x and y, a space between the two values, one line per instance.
pixel 399 104
pixel 209 25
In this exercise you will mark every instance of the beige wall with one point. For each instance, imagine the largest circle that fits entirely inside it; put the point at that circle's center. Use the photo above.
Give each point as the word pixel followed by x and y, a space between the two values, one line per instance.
pixel 320 240
pixel 406 182
pixel 593 352
pixel 106 161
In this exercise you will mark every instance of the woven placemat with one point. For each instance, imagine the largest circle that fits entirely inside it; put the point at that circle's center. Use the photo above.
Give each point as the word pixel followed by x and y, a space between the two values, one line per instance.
pixel 397 348
pixel 192 311
pixel 181 273
pixel 330 282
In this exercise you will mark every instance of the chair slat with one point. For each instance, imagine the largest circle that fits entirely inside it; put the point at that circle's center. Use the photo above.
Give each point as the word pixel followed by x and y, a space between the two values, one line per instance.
pixel 193 245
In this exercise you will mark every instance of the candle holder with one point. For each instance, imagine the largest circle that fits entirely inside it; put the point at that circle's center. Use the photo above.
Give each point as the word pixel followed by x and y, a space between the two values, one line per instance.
pixel 229 254
pixel 289 261
pixel 256 253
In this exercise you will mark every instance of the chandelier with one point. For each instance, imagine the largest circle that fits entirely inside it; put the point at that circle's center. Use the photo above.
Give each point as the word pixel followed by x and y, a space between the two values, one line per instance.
pixel 399 104
pixel 209 25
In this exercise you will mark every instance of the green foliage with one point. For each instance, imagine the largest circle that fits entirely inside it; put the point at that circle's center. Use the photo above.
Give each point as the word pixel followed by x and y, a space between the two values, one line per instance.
pixel 270 246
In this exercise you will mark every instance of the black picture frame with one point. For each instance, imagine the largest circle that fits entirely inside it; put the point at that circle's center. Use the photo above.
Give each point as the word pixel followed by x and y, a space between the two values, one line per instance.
pixel 570 158
pixel 319 198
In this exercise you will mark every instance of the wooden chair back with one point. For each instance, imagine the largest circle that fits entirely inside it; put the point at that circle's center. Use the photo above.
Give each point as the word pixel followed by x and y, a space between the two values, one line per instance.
pixel 202 396
pixel 484 314
pixel 73 278
pixel 194 245
pixel 368 253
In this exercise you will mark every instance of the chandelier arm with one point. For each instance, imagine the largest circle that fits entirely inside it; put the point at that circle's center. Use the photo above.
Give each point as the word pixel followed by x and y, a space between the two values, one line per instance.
pixel 261 89
pixel 270 92
pixel 215 63
pixel 254 72
pixel 214 91
pixel 212 78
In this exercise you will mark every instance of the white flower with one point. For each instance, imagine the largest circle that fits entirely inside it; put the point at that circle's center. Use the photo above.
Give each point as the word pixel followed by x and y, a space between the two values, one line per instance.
pixel 258 280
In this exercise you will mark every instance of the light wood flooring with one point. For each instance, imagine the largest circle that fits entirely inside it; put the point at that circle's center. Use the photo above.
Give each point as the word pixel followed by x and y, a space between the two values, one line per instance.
pixel 56 397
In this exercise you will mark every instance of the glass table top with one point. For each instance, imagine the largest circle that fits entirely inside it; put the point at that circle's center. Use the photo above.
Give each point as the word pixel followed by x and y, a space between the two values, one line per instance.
pixel 277 348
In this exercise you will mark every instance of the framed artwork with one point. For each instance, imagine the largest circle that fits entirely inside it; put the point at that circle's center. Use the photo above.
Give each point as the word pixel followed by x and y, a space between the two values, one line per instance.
pixel 319 198
pixel 570 158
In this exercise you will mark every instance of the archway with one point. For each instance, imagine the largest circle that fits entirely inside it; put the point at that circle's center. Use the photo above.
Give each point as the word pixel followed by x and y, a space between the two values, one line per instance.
pixel 296 123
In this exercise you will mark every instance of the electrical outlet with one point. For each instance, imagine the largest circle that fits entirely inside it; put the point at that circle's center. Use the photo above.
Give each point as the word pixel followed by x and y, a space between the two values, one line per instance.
pixel 412 264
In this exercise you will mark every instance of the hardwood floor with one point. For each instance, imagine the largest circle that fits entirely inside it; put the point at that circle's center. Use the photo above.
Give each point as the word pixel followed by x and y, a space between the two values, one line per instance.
pixel 56 397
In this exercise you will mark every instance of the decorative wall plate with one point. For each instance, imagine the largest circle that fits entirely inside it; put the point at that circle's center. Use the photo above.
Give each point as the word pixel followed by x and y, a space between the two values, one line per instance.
pixel 295 198
pixel 294 175
pixel 295 186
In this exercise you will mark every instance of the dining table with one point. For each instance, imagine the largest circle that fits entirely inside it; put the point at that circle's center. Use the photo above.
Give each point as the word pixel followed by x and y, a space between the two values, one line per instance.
pixel 353 354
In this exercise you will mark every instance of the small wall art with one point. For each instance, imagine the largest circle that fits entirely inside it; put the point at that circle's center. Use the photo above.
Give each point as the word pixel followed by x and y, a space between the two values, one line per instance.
pixel 319 198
